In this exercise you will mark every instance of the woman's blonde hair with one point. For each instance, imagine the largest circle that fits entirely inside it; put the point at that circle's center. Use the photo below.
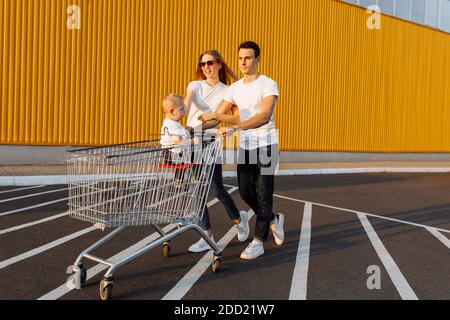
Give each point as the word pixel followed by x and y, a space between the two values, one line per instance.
pixel 226 75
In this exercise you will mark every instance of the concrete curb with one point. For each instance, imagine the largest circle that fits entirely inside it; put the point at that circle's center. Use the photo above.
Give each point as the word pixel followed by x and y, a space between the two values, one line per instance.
pixel 63 179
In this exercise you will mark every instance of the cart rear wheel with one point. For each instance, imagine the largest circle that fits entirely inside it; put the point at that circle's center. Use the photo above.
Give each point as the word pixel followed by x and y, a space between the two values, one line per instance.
pixel 83 275
pixel 105 290
pixel 216 265
pixel 166 249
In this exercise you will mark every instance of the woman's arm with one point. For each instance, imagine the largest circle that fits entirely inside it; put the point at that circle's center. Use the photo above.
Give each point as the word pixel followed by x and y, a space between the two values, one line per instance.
pixel 188 100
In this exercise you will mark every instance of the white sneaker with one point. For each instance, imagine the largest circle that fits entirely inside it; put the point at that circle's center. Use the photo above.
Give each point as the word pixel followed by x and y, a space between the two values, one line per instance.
pixel 276 225
pixel 200 246
pixel 243 229
pixel 253 250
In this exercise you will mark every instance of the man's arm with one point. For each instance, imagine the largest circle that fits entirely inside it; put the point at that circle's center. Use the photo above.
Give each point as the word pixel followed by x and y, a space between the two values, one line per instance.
pixel 261 118
pixel 224 107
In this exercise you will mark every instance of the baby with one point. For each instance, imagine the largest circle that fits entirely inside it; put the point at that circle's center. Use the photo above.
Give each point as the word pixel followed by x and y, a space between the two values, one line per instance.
pixel 172 132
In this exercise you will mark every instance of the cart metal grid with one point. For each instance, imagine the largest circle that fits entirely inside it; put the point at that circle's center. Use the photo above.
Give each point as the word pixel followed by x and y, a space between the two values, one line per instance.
pixel 140 183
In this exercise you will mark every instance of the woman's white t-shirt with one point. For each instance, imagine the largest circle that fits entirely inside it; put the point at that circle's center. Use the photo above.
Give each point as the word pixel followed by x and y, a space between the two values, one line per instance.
pixel 206 98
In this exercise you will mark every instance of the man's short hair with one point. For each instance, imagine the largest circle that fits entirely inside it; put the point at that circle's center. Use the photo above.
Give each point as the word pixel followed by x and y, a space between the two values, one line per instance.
pixel 251 45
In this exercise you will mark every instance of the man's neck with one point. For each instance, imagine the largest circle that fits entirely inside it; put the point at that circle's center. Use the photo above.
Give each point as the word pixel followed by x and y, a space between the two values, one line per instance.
pixel 251 77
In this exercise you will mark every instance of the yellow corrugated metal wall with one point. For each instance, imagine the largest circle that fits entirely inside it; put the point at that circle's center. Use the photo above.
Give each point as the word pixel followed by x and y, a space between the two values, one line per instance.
pixel 343 87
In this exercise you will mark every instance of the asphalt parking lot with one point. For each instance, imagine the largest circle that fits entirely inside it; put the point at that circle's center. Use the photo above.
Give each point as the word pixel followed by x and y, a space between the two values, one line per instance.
pixel 348 236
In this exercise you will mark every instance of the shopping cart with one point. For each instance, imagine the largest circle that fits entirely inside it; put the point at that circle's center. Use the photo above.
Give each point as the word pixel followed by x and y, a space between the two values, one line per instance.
pixel 141 183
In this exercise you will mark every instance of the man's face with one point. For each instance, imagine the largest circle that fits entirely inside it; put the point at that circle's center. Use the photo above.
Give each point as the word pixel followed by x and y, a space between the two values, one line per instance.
pixel 247 62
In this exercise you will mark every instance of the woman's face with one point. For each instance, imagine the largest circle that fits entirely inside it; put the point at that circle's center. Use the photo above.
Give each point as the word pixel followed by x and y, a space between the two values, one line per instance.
pixel 210 66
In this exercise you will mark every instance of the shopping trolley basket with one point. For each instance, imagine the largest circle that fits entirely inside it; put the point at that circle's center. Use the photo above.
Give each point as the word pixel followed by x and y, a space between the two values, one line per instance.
pixel 141 183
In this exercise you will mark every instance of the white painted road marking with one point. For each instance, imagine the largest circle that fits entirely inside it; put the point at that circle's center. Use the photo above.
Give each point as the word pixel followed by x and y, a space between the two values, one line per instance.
pixel 403 287
pixel 300 277
pixel 364 213
pixel 64 289
pixel 32 195
pixel 48 246
pixel 92 272
pixel 32 207
pixel 185 284
pixel 20 189
pixel 30 224
pixel 440 237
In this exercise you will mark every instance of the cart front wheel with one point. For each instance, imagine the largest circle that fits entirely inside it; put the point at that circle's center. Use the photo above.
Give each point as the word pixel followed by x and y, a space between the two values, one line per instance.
pixel 166 249
pixel 216 265
pixel 106 290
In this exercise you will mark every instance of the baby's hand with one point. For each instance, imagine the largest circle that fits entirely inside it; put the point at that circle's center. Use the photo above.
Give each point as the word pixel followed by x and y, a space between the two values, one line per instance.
pixel 195 140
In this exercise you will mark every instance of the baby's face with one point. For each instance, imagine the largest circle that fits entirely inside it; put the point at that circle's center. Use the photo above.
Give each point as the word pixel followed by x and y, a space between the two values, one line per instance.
pixel 178 112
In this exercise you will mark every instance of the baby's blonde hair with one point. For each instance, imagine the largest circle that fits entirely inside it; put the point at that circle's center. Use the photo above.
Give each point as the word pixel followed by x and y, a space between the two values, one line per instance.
pixel 172 100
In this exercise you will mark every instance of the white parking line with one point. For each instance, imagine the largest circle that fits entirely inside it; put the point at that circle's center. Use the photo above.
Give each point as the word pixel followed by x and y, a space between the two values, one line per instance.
pixel 32 195
pixel 440 237
pixel 48 246
pixel 92 272
pixel 30 224
pixel 403 287
pixel 300 277
pixel 32 207
pixel 185 284
pixel 365 213
pixel 20 189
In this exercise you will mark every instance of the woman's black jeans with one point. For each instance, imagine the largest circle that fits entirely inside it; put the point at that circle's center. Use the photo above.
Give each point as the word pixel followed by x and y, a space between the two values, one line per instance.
pixel 255 171
pixel 219 191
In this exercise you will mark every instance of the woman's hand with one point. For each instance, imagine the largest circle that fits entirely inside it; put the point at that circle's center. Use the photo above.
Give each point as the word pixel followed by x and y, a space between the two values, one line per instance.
pixel 207 116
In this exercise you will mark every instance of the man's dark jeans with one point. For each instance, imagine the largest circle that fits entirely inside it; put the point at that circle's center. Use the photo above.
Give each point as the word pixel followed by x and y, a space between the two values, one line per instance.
pixel 255 171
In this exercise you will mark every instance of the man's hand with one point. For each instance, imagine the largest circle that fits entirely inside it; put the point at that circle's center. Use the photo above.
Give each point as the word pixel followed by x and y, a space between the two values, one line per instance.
pixel 207 116
pixel 225 131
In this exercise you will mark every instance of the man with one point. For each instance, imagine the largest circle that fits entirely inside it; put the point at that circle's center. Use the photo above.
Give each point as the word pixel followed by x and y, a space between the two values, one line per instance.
pixel 255 95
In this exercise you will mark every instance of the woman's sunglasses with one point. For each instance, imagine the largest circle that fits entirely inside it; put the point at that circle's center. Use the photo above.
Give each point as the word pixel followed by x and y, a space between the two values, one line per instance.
pixel 209 63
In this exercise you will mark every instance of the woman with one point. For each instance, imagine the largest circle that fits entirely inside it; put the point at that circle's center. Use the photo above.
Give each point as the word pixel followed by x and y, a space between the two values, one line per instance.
pixel 204 96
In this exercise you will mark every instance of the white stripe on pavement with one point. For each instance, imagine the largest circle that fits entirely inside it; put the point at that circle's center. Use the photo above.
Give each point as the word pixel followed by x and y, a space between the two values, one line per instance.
pixel 403 287
pixel 440 237
pixel 92 272
pixel 48 246
pixel 185 284
pixel 300 277
pixel 30 224
pixel 365 213
pixel 20 189
pixel 32 207
pixel 32 195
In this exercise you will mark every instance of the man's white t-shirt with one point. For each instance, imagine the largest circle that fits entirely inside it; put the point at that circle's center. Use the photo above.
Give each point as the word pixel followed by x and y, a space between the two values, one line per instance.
pixel 249 98
pixel 206 98
pixel 169 129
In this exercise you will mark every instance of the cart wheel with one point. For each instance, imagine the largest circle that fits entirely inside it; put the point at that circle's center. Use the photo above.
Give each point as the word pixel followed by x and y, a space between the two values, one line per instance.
pixel 166 249
pixel 106 290
pixel 216 264
pixel 79 276
pixel 83 275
